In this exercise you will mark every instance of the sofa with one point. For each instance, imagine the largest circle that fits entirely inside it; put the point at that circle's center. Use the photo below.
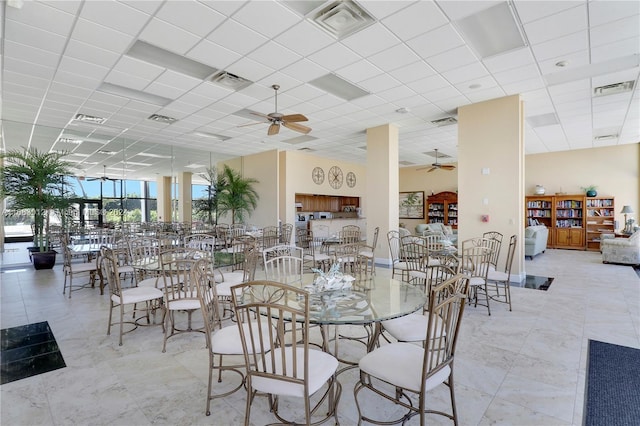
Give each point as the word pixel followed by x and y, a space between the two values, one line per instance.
pixel 621 250
pixel 446 230
pixel 535 240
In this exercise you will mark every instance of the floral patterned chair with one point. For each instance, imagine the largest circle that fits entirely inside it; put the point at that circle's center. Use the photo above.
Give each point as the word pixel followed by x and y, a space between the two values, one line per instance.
pixel 621 250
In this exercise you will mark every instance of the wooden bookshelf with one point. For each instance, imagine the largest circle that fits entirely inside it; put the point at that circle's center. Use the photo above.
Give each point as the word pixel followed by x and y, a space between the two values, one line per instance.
pixel 443 208
pixel 600 217
pixel 570 231
pixel 540 210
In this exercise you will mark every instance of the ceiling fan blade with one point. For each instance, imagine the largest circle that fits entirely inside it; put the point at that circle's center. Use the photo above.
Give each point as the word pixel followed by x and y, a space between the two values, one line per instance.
pixel 294 117
pixel 274 128
pixel 296 127
pixel 448 166
pixel 260 115
pixel 252 124
pixel 432 169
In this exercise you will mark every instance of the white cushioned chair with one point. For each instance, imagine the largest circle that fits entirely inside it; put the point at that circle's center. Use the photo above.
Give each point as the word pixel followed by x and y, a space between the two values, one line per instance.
pixel 621 250
pixel 535 240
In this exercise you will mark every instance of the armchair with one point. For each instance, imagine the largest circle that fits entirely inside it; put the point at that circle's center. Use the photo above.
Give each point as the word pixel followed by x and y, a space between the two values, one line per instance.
pixel 621 250
pixel 535 240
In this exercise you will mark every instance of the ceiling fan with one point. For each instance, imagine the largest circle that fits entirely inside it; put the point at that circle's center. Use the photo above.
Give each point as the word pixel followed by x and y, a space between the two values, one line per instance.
pixel 437 165
pixel 104 175
pixel 276 119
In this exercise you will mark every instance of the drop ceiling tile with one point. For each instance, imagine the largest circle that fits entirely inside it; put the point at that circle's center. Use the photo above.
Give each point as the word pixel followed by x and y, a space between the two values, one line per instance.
pixel 574 60
pixel 249 69
pixel 116 15
pixel 427 84
pixel 267 18
pixel 561 24
pixel 485 82
pixel 412 72
pixel 434 96
pixel 465 73
pixel 57 87
pixel 436 41
pixel 614 50
pixel 191 16
pixel 100 36
pixel 79 50
pixel 415 19
pixel 396 57
pixel 359 71
pixel 138 68
pixel 601 12
pixel 83 68
pixel 236 37
pixel 486 94
pixel 305 38
pixel 517 74
pixel 168 36
pixel 512 59
pixel 284 80
pixel 180 81
pixel 22 67
pixel 127 80
pixel 614 31
pixel 561 46
pixel 30 54
pixel 334 56
pixel 523 86
pixel 401 92
pixel 274 55
pixel 30 36
pixel 452 59
pixel 533 10
pixel 305 92
pixel 42 16
pixel 379 83
pixel 371 40
pixel 212 54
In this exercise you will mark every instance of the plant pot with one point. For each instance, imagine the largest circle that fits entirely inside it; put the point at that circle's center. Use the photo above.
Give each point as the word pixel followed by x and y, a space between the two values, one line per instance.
pixel 44 259
pixel 592 193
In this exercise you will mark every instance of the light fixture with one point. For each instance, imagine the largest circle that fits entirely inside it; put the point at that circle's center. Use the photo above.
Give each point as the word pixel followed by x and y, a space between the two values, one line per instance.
pixel 403 110
pixel 339 87
pixel 155 55
pixel 162 118
pixel 628 223
pixel 89 119
pixel 129 93
pixel 492 31
pixel 562 64
pixel 69 140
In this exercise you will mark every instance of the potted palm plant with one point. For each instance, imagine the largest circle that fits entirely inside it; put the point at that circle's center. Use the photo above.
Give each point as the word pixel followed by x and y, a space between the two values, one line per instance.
pixel 237 195
pixel 35 180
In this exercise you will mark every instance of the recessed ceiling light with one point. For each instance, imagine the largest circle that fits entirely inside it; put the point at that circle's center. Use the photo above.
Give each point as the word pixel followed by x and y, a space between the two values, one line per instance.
pixel 613 89
pixel 492 31
pixel 339 87
pixel 89 119
pixel 211 135
pixel 161 57
pixel 605 137
pixel 342 18
pixel 69 140
pixel 148 154
pixel 447 121
pixel 162 118
pixel 403 110
pixel 562 64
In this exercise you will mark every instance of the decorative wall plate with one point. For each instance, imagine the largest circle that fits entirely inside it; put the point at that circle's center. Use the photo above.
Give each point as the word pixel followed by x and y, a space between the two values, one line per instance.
pixel 351 179
pixel 318 175
pixel 335 177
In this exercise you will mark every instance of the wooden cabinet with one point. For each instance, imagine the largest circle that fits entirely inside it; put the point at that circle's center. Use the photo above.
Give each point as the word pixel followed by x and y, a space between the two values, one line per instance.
pixel 600 214
pixel 325 203
pixel 569 212
pixel 443 208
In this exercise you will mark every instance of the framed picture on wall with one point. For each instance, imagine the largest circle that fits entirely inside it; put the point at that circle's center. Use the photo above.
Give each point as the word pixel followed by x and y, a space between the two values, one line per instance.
pixel 412 205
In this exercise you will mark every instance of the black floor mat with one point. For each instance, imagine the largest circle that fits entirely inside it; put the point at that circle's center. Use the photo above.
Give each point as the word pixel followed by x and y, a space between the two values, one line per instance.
pixel 28 350
pixel 535 282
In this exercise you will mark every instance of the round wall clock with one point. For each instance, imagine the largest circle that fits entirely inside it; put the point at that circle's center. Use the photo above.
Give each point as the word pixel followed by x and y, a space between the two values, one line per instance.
pixel 351 179
pixel 318 175
pixel 335 177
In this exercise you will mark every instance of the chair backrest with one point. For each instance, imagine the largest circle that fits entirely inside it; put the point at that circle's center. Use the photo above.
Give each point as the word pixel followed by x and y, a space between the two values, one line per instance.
pixel 178 273
pixel 495 244
pixel 270 237
pixel 434 241
pixel 374 243
pixel 511 251
pixel 475 261
pixel 349 236
pixel 404 232
pixel 416 256
pixel 270 352
pixel 200 241
pixel 205 279
pixel 283 264
pixel 321 231
pixel 393 237
pixel 109 268
pixel 304 238
pixel 446 306
pixel 285 233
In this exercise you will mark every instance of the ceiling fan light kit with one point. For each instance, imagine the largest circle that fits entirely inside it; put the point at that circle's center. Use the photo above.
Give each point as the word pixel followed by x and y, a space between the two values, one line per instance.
pixel 276 119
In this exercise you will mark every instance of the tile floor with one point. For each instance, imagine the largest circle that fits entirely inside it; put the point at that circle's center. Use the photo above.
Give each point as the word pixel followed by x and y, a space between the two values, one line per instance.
pixel 525 367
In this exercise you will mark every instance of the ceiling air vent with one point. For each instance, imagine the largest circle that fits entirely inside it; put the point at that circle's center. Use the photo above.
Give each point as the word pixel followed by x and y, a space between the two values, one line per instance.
pixel 89 119
pixel 342 18
pixel 603 138
pixel 613 89
pixel 447 121
pixel 230 81
pixel 162 118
